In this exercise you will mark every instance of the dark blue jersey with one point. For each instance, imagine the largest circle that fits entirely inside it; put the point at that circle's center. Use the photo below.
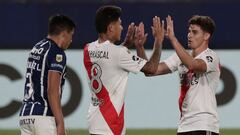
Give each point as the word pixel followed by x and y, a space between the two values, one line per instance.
pixel 44 57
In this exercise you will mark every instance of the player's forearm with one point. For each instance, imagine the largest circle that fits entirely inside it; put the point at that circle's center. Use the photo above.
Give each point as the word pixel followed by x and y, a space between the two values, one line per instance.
pixel 152 64
pixel 54 97
pixel 141 52
pixel 157 49
pixel 54 101
pixel 184 56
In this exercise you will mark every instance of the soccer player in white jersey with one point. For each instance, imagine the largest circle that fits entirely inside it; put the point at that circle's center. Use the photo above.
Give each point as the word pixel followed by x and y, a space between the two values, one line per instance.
pixel 199 72
pixel 108 66
pixel 41 112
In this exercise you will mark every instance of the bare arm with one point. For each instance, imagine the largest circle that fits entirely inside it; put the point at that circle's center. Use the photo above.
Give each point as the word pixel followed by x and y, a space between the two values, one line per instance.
pixel 54 100
pixel 158 32
pixel 141 53
pixel 161 70
pixel 151 66
pixel 197 65
pixel 139 40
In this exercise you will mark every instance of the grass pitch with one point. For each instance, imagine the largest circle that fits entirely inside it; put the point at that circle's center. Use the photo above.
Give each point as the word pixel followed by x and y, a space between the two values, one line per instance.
pixel 131 132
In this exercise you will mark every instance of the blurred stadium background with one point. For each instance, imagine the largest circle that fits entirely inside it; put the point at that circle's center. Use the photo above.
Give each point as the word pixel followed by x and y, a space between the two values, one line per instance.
pixel 151 104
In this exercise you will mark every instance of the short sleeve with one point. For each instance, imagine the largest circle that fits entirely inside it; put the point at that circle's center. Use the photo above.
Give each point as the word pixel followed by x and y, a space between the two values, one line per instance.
pixel 211 60
pixel 172 62
pixel 56 59
pixel 129 61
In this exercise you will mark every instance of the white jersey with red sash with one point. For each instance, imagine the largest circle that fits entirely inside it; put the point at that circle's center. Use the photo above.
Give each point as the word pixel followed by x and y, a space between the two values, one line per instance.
pixel 197 102
pixel 107 66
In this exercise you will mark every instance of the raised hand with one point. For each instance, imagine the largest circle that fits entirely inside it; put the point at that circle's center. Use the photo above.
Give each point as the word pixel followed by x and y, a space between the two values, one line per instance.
pixel 158 29
pixel 170 30
pixel 140 36
pixel 129 39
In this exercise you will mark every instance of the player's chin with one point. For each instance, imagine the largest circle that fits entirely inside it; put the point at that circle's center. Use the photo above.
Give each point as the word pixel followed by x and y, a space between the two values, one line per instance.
pixel 190 45
pixel 66 47
pixel 119 38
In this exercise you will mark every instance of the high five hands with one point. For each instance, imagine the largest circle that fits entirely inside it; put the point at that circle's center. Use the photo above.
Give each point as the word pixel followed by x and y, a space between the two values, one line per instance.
pixel 136 34
pixel 140 35
pixel 158 29
pixel 129 39
pixel 170 29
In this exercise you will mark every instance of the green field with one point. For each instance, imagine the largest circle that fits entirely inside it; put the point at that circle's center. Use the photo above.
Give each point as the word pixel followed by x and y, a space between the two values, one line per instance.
pixel 131 132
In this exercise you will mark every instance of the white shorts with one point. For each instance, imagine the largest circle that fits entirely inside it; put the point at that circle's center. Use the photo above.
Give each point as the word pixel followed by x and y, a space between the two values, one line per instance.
pixel 37 125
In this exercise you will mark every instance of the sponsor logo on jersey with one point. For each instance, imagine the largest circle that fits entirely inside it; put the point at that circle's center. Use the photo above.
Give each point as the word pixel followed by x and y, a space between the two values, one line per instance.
pixel 36 50
pixel 33 65
pixel 59 57
pixel 27 121
pixel 96 101
pixel 56 65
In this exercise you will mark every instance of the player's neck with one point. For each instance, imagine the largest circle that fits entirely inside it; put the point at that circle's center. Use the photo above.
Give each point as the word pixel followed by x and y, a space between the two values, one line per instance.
pixel 104 37
pixel 56 39
pixel 199 50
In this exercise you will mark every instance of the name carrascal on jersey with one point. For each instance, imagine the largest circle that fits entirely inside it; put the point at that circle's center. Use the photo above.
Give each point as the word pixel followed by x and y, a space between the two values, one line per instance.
pixel 98 54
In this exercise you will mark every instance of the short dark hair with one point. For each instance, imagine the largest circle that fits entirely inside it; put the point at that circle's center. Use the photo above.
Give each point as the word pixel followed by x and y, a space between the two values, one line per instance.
pixel 205 22
pixel 105 15
pixel 58 23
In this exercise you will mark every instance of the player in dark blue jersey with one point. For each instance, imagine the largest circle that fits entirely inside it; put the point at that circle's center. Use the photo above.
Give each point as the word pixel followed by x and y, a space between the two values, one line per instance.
pixel 41 112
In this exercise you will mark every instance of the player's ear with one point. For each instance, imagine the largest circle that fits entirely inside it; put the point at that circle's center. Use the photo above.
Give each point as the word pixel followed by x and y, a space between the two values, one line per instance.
pixel 65 33
pixel 62 34
pixel 110 27
pixel 207 35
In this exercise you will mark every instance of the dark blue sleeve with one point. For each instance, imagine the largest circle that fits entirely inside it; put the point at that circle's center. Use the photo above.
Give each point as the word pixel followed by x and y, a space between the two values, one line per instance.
pixel 56 59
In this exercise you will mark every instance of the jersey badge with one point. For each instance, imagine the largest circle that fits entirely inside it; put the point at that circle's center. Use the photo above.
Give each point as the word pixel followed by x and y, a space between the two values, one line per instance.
pixel 59 57
pixel 209 58
pixel 135 58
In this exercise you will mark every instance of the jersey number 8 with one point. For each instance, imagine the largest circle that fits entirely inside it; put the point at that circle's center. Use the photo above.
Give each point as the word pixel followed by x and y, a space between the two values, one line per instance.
pixel 96 83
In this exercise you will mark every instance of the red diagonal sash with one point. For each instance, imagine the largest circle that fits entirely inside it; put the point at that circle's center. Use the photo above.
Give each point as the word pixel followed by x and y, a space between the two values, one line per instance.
pixel 114 121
